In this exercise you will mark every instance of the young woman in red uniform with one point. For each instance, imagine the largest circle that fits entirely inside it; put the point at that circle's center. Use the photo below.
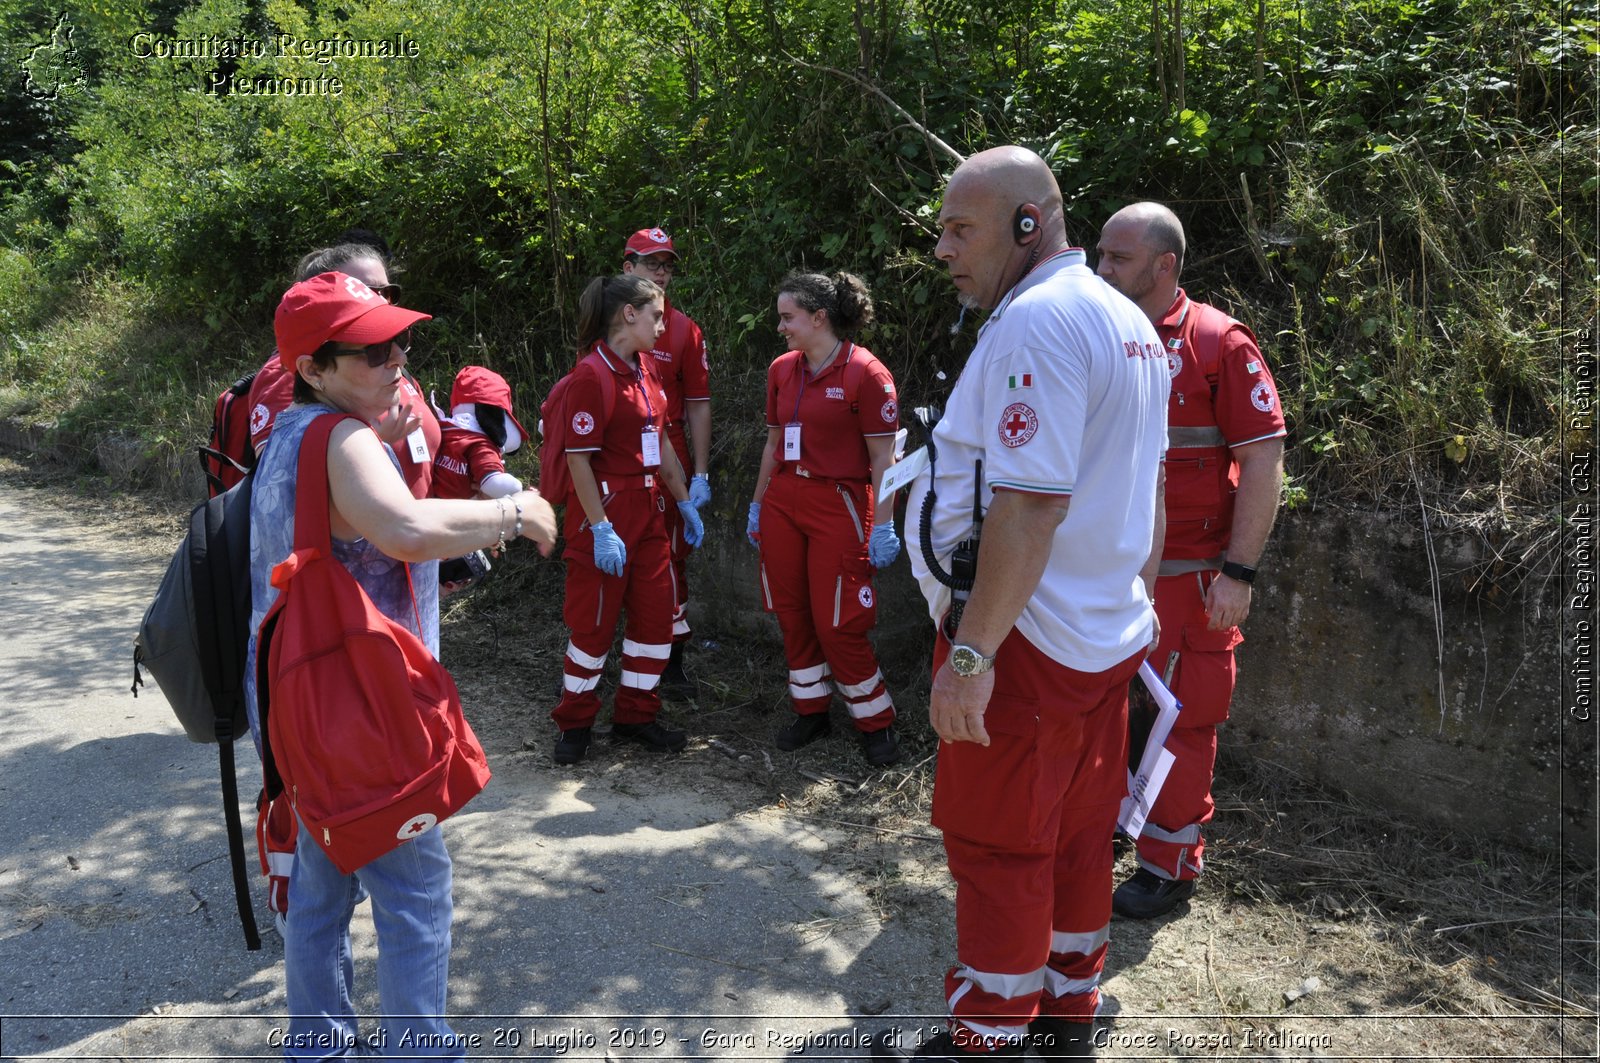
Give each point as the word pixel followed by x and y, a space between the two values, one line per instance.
pixel 831 423
pixel 618 554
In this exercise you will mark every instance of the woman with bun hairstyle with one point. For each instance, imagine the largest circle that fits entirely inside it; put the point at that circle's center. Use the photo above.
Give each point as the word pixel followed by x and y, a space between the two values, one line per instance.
pixel 831 424
pixel 618 553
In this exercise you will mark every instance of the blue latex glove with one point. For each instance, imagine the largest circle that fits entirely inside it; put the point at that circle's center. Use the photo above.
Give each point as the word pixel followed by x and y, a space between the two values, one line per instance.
pixel 693 530
pixel 884 546
pixel 609 553
pixel 752 525
pixel 700 491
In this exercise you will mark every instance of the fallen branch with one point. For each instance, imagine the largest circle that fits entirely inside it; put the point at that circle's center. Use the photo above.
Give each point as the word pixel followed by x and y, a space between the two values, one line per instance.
pixel 927 134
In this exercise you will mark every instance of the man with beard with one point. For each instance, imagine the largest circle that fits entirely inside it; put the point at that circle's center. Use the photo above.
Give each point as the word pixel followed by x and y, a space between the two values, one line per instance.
pixel 1224 473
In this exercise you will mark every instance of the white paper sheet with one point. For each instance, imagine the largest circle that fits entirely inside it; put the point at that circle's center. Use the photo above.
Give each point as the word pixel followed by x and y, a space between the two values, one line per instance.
pixel 902 473
pixel 1144 786
pixel 1136 806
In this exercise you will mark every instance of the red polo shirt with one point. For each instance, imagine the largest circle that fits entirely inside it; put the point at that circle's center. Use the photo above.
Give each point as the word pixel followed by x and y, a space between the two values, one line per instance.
pixel 850 401
pixel 615 441
pixel 465 459
pixel 684 370
pixel 1220 399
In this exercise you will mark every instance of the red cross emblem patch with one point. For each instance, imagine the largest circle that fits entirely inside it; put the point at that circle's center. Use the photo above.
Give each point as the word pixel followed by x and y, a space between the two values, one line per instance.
pixel 1018 424
pixel 582 423
pixel 416 825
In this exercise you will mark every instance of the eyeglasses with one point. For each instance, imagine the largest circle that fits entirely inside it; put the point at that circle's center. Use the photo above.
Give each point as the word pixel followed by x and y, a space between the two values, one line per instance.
pixel 663 266
pixel 390 292
pixel 377 354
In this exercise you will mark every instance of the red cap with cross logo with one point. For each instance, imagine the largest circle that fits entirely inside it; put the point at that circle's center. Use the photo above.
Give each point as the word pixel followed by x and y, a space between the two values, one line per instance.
pixel 335 306
pixel 649 242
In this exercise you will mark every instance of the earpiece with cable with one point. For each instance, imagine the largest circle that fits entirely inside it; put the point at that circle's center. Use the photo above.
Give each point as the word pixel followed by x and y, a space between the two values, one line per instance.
pixel 1023 224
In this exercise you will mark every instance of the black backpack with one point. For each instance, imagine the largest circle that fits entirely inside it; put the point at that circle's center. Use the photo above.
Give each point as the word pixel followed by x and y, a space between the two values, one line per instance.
pixel 193 640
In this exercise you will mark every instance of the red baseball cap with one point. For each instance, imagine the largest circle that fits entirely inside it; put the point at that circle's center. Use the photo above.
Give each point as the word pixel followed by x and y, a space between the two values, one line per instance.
pixel 335 306
pixel 475 386
pixel 649 242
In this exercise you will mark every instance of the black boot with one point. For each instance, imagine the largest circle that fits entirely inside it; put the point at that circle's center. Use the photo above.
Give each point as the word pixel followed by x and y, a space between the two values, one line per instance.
pixel 653 736
pixel 802 731
pixel 1148 896
pixel 572 745
pixel 675 683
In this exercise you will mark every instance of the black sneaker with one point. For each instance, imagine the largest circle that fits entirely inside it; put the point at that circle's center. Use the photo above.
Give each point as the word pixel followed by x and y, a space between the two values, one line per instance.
pixel 651 735
pixel 802 731
pixel 572 745
pixel 881 748
pixel 887 1045
pixel 1054 1038
pixel 675 682
pixel 1147 895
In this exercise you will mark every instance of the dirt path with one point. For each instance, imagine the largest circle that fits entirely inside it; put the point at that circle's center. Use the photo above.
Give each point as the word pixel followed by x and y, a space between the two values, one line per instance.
pixel 732 903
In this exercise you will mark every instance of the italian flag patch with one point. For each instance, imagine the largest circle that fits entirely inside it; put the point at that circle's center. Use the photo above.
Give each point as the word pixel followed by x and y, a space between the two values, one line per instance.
pixel 1019 380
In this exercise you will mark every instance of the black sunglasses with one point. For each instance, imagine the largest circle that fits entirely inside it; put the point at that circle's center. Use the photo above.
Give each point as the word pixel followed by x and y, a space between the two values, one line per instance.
pixel 390 292
pixel 377 354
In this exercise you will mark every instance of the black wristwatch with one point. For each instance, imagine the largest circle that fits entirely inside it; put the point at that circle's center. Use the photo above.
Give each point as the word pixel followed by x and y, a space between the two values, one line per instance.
pixel 1242 573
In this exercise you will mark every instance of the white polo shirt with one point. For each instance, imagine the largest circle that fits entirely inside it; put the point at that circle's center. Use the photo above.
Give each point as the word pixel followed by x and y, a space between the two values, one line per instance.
pixel 1065 394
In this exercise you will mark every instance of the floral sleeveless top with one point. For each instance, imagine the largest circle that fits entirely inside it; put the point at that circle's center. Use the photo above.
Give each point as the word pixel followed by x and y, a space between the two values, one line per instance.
pixel 272 503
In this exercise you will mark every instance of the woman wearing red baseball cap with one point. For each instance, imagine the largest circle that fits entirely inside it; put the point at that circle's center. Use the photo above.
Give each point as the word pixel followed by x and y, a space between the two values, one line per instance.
pixel 831 424
pixel 346 347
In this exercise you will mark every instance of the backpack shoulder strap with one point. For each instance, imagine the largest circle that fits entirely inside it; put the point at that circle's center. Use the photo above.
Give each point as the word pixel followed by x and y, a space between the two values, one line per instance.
pixel 1210 325
pixel 855 370
pixel 311 504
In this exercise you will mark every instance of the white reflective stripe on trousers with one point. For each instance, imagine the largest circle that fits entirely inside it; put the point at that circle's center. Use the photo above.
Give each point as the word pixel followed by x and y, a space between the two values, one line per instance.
pixel 639 680
pixel 1083 943
pixel 860 710
pixel 584 660
pixel 861 690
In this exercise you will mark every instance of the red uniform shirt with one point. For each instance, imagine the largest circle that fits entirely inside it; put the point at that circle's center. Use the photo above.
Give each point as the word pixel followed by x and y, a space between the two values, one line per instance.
pixel 1214 406
pixel 682 366
pixel 273 391
pixel 616 442
pixel 465 459
pixel 838 410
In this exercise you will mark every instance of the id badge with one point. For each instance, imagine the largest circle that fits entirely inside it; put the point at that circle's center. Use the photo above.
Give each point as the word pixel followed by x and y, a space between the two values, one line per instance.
pixel 650 447
pixel 791 442
pixel 419 447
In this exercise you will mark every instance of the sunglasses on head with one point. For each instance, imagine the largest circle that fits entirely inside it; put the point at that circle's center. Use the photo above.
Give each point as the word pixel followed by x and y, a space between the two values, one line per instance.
pixel 377 354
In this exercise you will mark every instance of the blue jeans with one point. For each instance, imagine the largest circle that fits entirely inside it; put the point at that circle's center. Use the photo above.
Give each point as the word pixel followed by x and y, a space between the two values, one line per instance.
pixel 411 909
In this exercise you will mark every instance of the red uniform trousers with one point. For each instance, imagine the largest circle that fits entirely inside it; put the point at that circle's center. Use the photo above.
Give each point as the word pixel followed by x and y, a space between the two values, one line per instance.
pixel 816 578
pixel 1171 845
pixel 1027 825
pixel 680 550
pixel 594 600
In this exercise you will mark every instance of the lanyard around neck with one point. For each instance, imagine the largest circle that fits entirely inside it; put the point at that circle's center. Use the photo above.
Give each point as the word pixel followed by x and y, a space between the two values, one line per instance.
pixel 849 349
pixel 606 354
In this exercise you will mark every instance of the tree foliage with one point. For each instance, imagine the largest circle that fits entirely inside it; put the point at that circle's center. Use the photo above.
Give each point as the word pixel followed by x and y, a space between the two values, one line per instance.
pixel 1390 191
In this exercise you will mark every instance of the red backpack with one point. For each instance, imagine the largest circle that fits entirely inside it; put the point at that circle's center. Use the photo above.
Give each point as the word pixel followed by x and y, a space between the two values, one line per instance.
pixel 555 482
pixel 229 455
pixel 364 726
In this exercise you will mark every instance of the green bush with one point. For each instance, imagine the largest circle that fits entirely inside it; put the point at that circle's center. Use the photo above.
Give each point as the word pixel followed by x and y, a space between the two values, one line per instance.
pixel 1384 190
